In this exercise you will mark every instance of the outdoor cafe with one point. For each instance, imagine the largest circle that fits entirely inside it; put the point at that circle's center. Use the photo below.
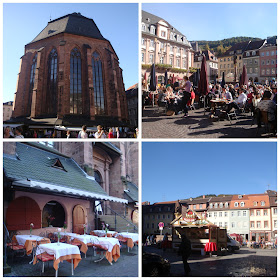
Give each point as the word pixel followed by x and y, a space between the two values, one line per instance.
pixel 50 212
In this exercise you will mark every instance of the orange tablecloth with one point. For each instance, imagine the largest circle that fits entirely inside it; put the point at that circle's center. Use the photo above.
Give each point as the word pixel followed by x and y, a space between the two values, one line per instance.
pixel 30 244
pixel 210 247
pixel 129 241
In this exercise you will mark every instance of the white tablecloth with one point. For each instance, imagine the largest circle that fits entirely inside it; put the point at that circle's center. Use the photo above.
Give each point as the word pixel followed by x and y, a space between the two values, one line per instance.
pixel 133 236
pixel 85 238
pixel 66 233
pixel 108 242
pixel 102 233
pixel 58 249
pixel 21 239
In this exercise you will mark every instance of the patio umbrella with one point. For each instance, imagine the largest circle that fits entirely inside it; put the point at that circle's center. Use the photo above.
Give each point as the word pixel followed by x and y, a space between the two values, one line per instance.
pixel 153 82
pixel 223 82
pixel 240 79
pixel 165 77
pixel 173 79
pixel 244 80
pixel 156 80
pixel 215 80
pixel 145 76
pixel 153 85
pixel 203 87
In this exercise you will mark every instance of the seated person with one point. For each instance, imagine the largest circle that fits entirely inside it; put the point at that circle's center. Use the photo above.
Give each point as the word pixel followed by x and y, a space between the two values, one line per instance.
pixel 239 103
pixel 267 105
pixel 162 99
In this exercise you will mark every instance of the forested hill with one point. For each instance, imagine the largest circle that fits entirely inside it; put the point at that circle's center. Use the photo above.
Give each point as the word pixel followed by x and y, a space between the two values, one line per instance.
pixel 221 46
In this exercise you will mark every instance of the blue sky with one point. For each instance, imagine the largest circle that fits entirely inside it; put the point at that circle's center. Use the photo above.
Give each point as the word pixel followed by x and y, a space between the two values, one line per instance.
pixel 23 22
pixel 217 21
pixel 179 170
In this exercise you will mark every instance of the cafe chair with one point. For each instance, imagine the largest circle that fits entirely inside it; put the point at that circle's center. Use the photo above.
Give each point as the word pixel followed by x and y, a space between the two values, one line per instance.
pixel 43 257
pixel 14 248
pixel 231 114
pixel 51 236
pixel 263 119
pixel 101 251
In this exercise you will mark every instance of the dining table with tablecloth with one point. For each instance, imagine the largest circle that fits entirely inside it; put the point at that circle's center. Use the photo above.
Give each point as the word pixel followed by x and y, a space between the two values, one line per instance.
pixel 102 233
pixel 29 241
pixel 128 237
pixel 61 252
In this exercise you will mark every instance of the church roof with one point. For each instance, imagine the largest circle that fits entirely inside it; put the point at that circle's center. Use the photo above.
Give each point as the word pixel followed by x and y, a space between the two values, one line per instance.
pixel 131 192
pixel 73 23
pixel 35 166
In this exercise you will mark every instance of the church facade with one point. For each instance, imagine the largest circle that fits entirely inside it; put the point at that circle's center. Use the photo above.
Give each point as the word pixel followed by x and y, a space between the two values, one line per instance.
pixel 70 72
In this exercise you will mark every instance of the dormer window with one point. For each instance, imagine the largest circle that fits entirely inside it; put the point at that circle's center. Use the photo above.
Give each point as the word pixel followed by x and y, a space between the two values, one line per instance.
pixel 221 205
pixel 143 27
pixel 153 30
pixel 216 205
pixel 247 53
pixel 262 203
pixel 253 53
pixel 255 203
pixel 242 204
pixel 58 164
pixel 211 205
pixel 235 204
pixel 171 36
pixel 226 204
pixel 239 196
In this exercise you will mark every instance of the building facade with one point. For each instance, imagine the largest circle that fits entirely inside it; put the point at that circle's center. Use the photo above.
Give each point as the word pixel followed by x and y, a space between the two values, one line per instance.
pixel 239 216
pixel 132 104
pixel 218 211
pixel 7 110
pixel 251 58
pixel 268 63
pixel 231 62
pixel 156 213
pixel 70 72
pixel 260 217
pixel 162 44
pixel 211 63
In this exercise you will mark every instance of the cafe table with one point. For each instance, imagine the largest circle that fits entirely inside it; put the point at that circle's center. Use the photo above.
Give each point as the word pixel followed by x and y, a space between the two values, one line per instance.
pixel 129 238
pixel 61 252
pixel 102 233
pixel 85 240
pixel 110 244
pixel 29 241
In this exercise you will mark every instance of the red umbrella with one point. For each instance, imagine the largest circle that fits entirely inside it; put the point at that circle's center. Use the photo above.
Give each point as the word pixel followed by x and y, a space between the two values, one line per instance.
pixel 156 79
pixel 145 76
pixel 244 77
pixel 203 86
pixel 173 79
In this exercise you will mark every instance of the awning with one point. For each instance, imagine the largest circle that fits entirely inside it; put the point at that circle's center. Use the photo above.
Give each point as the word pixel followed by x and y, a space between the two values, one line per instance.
pixel 66 190
pixel 61 127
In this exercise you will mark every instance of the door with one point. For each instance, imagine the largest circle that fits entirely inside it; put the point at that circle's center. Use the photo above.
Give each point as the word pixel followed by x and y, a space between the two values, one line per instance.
pixel 79 219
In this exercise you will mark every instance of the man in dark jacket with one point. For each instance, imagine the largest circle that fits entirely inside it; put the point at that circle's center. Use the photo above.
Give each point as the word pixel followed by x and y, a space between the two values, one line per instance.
pixel 185 251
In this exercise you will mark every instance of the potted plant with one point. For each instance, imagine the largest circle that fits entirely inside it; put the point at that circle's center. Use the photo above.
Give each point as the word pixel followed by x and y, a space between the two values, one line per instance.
pixel 65 226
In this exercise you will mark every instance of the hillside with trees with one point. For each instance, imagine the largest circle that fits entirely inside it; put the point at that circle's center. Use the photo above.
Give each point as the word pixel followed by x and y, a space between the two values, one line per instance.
pixel 221 46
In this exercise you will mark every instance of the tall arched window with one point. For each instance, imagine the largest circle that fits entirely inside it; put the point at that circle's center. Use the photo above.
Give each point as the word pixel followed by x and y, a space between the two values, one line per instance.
pixel 52 81
pixel 98 84
pixel 98 178
pixel 75 82
pixel 31 81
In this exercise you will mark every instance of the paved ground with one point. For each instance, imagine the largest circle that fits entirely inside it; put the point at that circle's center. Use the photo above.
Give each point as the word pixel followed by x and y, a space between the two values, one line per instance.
pixel 126 266
pixel 155 124
pixel 243 263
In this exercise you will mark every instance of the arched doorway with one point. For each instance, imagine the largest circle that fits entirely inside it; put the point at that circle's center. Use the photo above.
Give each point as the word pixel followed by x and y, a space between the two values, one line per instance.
pixel 53 214
pixel 79 219
pixel 22 212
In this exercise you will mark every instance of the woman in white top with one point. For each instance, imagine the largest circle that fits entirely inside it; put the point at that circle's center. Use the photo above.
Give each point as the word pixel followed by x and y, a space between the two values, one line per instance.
pixel 83 132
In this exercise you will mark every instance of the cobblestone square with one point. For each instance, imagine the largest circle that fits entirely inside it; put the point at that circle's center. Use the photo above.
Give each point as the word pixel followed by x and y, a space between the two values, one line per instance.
pixel 156 124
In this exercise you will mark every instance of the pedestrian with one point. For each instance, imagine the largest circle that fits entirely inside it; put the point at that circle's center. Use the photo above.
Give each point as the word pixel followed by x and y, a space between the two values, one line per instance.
pixel 185 251
pixel 117 132
pixel 100 132
pixel 18 132
pixel 7 132
pixel 83 132
pixel 68 134
pixel 187 94
pixel 110 134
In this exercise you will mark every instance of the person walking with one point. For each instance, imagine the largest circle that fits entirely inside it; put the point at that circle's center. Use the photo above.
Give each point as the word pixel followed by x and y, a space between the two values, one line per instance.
pixel 83 132
pixel 100 132
pixel 185 251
